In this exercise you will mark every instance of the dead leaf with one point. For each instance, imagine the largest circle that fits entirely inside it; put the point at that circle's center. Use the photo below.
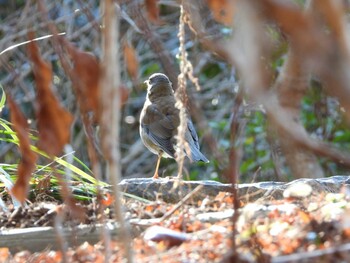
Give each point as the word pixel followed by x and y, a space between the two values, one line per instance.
pixel 28 157
pixel 107 200
pixel 53 120
pixel 132 64
pixel 124 94
pixel 152 10
pixel 346 232
pixel 43 184
pixel 85 78
pixel 305 217
pixel 4 254
pixel 87 253
pixel 222 10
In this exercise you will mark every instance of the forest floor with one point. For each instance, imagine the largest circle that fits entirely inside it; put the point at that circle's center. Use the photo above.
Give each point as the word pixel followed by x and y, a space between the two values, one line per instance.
pixel 286 230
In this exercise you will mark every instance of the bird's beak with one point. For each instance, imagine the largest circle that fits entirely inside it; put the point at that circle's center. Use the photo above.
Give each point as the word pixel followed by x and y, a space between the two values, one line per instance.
pixel 146 84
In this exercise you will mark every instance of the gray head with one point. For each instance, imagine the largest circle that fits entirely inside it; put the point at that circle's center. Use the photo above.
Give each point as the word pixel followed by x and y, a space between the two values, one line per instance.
pixel 159 84
pixel 158 78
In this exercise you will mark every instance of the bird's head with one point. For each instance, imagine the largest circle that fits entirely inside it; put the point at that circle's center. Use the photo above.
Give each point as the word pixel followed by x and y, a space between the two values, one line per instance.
pixel 158 84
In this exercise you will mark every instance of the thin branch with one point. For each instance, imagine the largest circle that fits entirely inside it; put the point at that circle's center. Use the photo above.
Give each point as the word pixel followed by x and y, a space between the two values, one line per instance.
pixel 181 203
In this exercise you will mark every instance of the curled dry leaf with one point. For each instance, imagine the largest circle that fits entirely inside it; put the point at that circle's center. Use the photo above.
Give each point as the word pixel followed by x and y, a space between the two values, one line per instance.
pixel 28 157
pixel 166 235
pixel 53 120
pixel 222 10
pixel 85 76
pixel 152 10
pixel 107 199
pixel 132 64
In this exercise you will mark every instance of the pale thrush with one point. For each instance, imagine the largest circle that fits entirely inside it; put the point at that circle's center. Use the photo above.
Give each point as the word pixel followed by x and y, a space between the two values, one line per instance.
pixel 160 119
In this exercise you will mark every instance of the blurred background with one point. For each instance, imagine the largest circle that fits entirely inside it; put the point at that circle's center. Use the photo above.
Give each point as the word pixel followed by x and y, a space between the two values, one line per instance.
pixel 151 44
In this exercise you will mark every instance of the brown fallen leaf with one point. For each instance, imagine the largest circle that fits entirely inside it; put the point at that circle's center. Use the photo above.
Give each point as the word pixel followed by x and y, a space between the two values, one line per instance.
pixel 152 10
pixel 4 254
pixel 132 64
pixel 53 120
pixel 28 157
pixel 222 10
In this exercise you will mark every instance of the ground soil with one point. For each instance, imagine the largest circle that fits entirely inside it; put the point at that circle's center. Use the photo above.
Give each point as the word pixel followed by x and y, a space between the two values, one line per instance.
pixel 200 231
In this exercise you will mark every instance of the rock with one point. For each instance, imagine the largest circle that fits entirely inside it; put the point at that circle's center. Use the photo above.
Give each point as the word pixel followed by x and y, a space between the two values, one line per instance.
pixel 166 189
pixel 297 190
pixel 173 190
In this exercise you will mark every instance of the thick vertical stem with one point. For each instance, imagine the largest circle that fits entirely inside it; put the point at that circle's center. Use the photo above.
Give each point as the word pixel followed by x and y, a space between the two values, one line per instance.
pixel 110 113
pixel 291 86
pixel 180 96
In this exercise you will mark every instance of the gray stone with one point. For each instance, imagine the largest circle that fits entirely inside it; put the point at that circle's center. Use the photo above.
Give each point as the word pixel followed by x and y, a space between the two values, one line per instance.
pixel 173 190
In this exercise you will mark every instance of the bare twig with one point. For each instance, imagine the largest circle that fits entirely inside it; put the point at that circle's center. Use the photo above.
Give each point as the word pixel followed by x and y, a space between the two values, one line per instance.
pixel 154 41
pixel 181 203
pixel 232 172
pixel 110 114
pixel 181 98
pixel 89 14
pixel 312 256
pixel 59 234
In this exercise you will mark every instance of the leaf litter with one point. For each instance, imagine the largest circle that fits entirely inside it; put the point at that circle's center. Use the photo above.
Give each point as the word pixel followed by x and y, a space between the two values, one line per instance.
pixel 269 229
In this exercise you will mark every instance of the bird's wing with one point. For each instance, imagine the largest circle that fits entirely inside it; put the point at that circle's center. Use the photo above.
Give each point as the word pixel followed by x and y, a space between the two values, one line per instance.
pixel 159 128
pixel 193 133
pixel 192 139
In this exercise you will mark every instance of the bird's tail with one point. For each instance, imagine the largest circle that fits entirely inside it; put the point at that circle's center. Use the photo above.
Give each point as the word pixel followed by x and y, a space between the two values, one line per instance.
pixel 197 156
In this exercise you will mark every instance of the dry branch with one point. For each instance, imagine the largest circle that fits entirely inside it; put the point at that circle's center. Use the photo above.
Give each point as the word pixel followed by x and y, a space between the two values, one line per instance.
pixel 110 101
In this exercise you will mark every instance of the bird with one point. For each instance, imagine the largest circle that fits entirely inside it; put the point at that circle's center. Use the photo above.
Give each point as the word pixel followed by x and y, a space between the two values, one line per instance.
pixel 159 120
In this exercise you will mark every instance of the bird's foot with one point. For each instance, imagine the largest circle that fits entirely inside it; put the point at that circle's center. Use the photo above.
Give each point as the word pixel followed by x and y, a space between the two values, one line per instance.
pixel 179 176
pixel 155 176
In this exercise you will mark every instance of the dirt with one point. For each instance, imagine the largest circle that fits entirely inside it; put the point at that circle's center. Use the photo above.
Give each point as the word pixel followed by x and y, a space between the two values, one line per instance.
pixel 200 231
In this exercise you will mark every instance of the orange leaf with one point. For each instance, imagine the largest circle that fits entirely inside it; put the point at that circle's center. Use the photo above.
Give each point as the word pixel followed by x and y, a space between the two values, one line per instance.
pixel 85 78
pixel 27 163
pixel 152 10
pixel 305 217
pixel 107 200
pixel 220 196
pixel 131 61
pixel 53 120
pixel 4 254
pixel 346 232
pixel 222 10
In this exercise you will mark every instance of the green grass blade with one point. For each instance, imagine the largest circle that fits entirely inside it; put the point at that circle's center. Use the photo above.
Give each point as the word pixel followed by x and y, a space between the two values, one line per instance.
pixel 3 98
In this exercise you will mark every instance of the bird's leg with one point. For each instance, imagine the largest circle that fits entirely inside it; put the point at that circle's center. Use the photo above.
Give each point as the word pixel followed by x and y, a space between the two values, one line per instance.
pixel 155 176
